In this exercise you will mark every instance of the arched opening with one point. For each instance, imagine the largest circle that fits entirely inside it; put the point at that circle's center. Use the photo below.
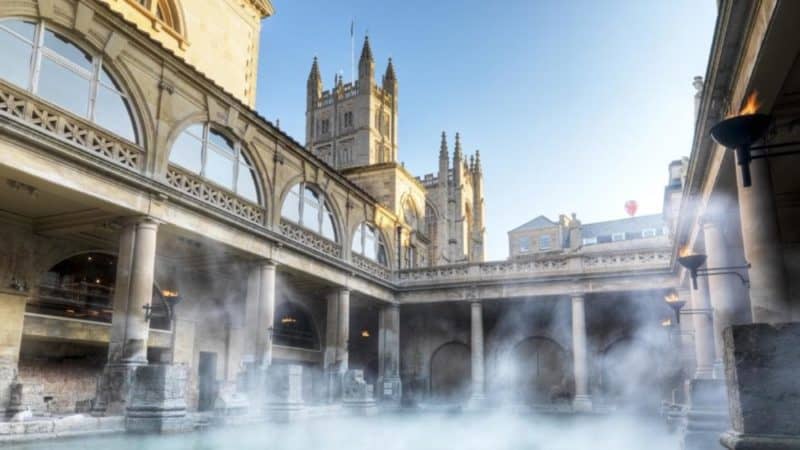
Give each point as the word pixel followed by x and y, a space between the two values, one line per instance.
pixel 368 242
pixel 166 11
pixel 82 287
pixel 50 65
pixel 212 154
pixel 410 213
pixel 541 371
pixel 451 373
pixel 294 327
pixel 308 208
pixel 629 374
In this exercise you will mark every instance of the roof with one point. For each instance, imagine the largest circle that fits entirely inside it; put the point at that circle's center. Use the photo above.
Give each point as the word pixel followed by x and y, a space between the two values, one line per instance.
pixel 538 223
pixel 628 225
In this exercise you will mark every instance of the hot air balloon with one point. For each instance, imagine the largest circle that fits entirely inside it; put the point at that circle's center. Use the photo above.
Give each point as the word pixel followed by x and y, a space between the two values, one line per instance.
pixel 630 207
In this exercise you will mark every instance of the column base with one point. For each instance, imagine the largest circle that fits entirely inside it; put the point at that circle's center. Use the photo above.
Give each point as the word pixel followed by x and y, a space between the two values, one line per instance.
pixel 158 400
pixel 707 416
pixel 738 441
pixel 582 403
pixel 390 390
pixel 113 387
pixel 284 401
pixel 718 371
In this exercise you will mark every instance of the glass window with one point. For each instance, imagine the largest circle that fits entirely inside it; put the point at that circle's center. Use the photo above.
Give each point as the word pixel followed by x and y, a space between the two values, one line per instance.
pixel 358 240
pixel 618 237
pixel 368 242
pixel 544 242
pixel 64 87
pixel 524 244
pixel 213 155
pixel 649 232
pixel 16 66
pixel 589 241
pixel 311 211
pixel 67 75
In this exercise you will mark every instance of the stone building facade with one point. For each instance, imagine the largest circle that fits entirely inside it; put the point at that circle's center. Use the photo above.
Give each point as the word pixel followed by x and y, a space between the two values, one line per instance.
pixel 151 217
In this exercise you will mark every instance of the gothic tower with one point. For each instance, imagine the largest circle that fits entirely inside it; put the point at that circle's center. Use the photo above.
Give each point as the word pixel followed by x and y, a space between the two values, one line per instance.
pixel 354 124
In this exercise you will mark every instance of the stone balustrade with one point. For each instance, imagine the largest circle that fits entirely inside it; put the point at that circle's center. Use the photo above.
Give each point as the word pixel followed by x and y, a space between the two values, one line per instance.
pixel 310 239
pixel 201 189
pixel 573 264
pixel 22 107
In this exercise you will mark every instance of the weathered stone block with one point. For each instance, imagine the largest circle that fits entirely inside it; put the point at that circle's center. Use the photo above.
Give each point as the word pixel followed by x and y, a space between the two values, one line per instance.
pixel 113 388
pixel 357 395
pixel 762 362
pixel 284 393
pixel 157 400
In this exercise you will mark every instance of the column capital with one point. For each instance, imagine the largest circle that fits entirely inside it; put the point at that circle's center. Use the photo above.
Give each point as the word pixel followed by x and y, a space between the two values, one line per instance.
pixel 577 294
pixel 141 220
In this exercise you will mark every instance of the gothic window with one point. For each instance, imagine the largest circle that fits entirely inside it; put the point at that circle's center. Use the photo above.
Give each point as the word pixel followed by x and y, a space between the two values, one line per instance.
pixel 348 119
pixel 50 66
pixel 368 241
pixel 212 155
pixel 410 214
pixel 411 257
pixel 326 126
pixel 305 207
pixel 430 222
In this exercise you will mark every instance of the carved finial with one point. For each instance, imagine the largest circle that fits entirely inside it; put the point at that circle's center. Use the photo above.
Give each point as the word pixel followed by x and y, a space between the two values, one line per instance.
pixel 457 151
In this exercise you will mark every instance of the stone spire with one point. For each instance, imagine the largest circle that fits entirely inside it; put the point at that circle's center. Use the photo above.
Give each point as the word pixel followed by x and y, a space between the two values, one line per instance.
pixel 314 75
pixel 366 63
pixel 478 161
pixel 457 152
pixel 313 86
pixel 389 75
pixel 471 163
pixel 389 79
pixel 443 153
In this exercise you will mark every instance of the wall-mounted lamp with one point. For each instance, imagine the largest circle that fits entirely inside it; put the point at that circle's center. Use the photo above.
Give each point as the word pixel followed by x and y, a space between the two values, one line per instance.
pixel 171 300
pixel 675 302
pixel 740 132
pixel 692 263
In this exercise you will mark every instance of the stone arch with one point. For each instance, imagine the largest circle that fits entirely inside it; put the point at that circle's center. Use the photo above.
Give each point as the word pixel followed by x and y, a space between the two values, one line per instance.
pixel 629 372
pixel 382 244
pixel 341 237
pixel 541 370
pixel 119 74
pixel 81 286
pixel 451 372
pixel 295 326
pixel 261 181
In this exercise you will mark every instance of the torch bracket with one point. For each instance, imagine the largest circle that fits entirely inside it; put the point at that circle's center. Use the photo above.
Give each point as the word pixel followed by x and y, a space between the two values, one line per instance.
pixel 732 270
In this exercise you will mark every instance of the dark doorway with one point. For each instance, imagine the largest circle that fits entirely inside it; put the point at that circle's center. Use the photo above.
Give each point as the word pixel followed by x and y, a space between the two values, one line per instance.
pixel 207 379
pixel 451 373
pixel 541 370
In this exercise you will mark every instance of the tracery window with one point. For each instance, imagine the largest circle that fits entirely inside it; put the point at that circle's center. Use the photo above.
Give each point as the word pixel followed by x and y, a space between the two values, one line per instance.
pixel 410 214
pixel 212 155
pixel 305 207
pixel 368 242
pixel 50 66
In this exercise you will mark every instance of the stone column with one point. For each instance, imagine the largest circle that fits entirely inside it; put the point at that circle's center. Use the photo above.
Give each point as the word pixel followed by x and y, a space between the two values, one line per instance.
pixel 703 330
pixel 724 290
pixel 130 328
pixel 389 358
pixel 260 314
pixel 12 311
pixel 337 334
pixel 582 401
pixel 769 288
pixel 476 351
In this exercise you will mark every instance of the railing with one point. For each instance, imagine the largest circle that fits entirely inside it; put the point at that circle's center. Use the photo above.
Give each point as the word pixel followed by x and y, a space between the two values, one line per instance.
pixel 25 108
pixel 574 264
pixel 371 267
pixel 199 188
pixel 310 239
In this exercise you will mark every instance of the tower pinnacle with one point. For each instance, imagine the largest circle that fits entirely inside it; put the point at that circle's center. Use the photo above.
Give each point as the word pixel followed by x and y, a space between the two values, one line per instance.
pixel 443 153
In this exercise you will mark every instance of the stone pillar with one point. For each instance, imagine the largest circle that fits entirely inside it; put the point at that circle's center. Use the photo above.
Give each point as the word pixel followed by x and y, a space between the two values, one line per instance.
pixel 337 332
pixel 724 290
pixel 12 311
pixel 703 330
pixel 389 358
pixel 158 402
pixel 769 287
pixel 582 401
pixel 284 401
pixel 476 351
pixel 260 314
pixel 133 290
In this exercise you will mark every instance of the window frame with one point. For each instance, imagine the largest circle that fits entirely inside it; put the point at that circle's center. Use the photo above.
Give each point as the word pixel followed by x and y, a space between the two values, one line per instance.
pixel 93 76
pixel 323 208
pixel 524 244
pixel 545 242
pixel 239 158
pixel 615 237
pixel 379 243
pixel 649 232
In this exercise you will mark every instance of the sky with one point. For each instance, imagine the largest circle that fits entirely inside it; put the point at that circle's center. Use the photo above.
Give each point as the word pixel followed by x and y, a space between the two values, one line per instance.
pixel 576 106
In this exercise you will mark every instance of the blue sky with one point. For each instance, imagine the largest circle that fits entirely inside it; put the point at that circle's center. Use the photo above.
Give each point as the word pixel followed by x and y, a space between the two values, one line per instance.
pixel 576 106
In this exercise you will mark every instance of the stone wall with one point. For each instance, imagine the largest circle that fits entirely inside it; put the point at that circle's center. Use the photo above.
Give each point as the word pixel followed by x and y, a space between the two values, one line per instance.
pixel 67 372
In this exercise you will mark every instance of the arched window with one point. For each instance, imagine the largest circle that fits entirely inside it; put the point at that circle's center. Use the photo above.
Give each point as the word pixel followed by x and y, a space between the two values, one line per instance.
pixel 82 287
pixel 308 208
pixel 205 151
pixel 166 11
pixel 410 213
pixel 49 65
pixel 368 242
pixel 294 327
